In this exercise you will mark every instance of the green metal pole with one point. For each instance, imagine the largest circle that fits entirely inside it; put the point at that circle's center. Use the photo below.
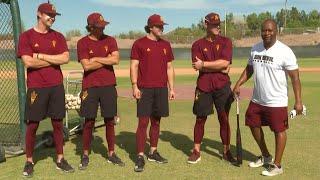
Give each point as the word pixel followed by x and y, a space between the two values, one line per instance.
pixel 15 13
pixel 5 1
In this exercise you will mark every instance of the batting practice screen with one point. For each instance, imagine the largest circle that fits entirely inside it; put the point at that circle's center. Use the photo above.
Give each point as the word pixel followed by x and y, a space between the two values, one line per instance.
pixel 10 130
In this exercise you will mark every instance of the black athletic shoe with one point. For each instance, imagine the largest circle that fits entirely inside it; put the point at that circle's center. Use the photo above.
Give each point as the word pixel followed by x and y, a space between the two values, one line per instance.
pixel 156 157
pixel 84 162
pixel 28 169
pixel 139 166
pixel 229 158
pixel 64 166
pixel 114 159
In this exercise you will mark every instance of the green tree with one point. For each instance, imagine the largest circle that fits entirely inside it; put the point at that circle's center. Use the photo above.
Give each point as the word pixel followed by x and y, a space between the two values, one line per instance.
pixel 253 22
pixel 131 35
pixel 73 33
pixel 280 16
pixel 294 18
pixel 238 29
pixel 313 19
pixel 264 15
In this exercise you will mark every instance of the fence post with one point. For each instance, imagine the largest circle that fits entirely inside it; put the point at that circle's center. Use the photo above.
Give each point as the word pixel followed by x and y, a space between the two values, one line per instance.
pixel 15 13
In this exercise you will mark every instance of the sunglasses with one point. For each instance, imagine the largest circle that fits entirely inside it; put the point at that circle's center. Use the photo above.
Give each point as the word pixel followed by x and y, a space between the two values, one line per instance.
pixel 159 26
pixel 51 16
pixel 214 26
pixel 97 27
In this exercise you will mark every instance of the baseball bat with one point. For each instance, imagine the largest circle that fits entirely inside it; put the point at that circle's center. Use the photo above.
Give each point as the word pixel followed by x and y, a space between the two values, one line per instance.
pixel 238 137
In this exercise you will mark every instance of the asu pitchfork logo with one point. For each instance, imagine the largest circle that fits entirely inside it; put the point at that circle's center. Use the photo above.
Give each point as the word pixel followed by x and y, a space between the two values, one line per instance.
pixel 161 19
pixel 84 95
pixel 197 94
pixel 33 97
pixel 54 43
pixel 164 51
pixel 101 18
pixel 106 48
pixel 215 17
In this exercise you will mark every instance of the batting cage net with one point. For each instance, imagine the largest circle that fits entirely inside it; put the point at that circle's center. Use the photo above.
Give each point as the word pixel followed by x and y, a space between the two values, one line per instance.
pixel 10 108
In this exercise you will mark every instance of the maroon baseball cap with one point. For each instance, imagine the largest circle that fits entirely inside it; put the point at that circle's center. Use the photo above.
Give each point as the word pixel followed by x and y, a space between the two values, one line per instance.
pixel 96 20
pixel 155 19
pixel 48 8
pixel 212 18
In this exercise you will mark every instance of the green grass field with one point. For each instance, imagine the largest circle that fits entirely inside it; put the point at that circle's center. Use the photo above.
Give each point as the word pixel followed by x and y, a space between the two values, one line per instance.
pixel 300 160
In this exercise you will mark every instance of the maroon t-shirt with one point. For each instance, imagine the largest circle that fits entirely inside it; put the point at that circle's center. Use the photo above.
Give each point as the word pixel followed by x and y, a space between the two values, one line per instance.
pixel 153 57
pixel 220 48
pixel 88 48
pixel 52 43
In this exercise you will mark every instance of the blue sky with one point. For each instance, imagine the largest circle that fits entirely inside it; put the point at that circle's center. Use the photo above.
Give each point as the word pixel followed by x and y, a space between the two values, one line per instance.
pixel 126 15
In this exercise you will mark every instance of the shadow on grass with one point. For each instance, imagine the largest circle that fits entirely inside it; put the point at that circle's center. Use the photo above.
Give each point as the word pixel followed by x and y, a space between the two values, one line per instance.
pixel 179 141
pixel 97 146
pixel 127 141
pixel 184 144
pixel 42 152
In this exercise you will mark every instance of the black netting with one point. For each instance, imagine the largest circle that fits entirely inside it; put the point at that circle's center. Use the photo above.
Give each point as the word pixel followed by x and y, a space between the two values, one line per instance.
pixel 10 133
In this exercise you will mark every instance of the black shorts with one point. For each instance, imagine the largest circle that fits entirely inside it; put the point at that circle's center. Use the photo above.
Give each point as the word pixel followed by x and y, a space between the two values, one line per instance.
pixel 45 102
pixel 153 102
pixel 106 96
pixel 203 101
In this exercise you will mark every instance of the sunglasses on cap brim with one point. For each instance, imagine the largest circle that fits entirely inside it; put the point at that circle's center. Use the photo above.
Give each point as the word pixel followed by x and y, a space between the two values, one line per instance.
pixel 51 15
pixel 98 27
pixel 160 26
pixel 213 25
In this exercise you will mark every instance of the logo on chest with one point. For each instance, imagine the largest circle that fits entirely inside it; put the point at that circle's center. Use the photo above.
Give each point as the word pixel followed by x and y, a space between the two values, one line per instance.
pixel 148 49
pixel 54 43
pixel 90 52
pixel 164 51
pixel 36 45
pixel 263 59
pixel 218 47
pixel 205 50
pixel 106 48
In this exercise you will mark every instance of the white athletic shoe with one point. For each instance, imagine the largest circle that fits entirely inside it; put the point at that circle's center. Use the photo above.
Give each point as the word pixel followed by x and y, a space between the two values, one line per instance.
pixel 261 161
pixel 272 170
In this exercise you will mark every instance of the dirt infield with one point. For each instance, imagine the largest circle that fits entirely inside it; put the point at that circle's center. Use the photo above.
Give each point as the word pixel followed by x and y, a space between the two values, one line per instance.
pixel 190 71
pixel 178 71
pixel 126 72
pixel 184 92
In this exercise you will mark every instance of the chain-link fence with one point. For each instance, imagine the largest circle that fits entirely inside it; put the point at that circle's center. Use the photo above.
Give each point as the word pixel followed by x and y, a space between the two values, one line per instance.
pixel 10 131
pixel 231 32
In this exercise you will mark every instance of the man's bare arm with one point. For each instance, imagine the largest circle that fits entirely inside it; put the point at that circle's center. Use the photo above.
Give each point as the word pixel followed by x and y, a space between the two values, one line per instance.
pixel 296 84
pixel 112 59
pixel 58 59
pixel 30 62
pixel 90 65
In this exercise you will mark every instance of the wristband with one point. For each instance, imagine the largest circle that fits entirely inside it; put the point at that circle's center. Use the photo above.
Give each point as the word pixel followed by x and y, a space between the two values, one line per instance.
pixel 293 113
